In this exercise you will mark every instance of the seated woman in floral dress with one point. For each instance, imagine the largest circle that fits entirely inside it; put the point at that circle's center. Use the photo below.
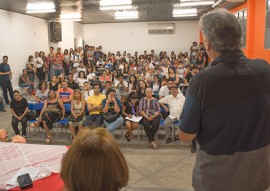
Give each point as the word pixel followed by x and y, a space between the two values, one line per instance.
pixel 77 116
pixel 53 111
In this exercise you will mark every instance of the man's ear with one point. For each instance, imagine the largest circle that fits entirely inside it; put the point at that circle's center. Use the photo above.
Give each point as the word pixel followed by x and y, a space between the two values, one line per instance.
pixel 207 45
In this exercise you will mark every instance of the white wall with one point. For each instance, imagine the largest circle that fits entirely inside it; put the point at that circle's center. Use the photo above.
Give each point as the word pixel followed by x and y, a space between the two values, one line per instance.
pixel 20 37
pixel 78 34
pixel 67 36
pixel 70 32
pixel 134 37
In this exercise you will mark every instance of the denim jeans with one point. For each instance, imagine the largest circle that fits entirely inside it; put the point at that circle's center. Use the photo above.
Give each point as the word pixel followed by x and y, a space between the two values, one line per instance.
pixel 30 86
pixel 95 119
pixel 57 72
pixel 31 76
pixel 111 127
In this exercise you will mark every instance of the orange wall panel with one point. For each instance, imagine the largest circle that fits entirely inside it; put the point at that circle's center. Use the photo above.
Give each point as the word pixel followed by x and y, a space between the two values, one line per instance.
pixel 256 10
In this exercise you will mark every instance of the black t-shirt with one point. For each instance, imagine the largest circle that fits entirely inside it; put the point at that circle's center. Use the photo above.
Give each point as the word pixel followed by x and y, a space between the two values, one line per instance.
pixel 189 76
pixel 19 106
pixel 54 87
pixel 129 108
pixel 73 85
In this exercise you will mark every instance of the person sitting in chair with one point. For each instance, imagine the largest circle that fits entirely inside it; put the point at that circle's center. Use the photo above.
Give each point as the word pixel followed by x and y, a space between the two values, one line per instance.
pixel 112 109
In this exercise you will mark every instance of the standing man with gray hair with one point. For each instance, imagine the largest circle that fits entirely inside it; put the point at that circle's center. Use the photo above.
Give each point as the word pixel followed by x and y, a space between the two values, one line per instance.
pixel 227 108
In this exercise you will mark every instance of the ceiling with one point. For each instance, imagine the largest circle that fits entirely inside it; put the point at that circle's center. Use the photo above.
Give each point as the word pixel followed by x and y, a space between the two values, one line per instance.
pixel 149 10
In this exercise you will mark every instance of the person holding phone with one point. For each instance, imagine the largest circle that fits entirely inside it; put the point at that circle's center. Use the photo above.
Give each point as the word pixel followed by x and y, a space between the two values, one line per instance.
pixel 112 107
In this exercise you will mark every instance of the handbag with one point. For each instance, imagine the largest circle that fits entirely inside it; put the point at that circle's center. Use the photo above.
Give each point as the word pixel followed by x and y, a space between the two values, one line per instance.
pixel 31 115
pixel 110 117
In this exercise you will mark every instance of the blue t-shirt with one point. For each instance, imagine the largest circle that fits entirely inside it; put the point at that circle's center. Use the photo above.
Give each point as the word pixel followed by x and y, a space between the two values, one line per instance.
pixel 111 105
pixel 4 68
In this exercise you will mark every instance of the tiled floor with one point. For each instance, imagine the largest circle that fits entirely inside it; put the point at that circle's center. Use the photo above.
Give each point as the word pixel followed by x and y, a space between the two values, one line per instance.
pixel 169 167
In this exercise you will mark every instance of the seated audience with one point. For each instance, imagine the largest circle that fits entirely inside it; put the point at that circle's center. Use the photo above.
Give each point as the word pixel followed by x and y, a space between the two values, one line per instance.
pixel 156 85
pixel 190 74
pixel 53 110
pixel 132 84
pixel 24 81
pixel 54 85
pixel 81 68
pixel 112 109
pixel 94 104
pixel 165 90
pixel 65 93
pixel 174 104
pixel 87 91
pixel 72 83
pixel 108 85
pixel 150 111
pixel 31 68
pixel 130 108
pixel 172 74
pixel 42 92
pixel 81 79
pixel 104 78
pixel 94 162
pixel 121 86
pixel 74 73
pixel 77 117
pixel 90 74
pixel 115 78
pixel 142 87
pixel 19 109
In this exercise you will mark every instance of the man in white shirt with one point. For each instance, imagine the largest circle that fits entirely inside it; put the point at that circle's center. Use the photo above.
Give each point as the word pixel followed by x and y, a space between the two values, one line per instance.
pixel 39 66
pixel 165 90
pixel 87 91
pixel 175 103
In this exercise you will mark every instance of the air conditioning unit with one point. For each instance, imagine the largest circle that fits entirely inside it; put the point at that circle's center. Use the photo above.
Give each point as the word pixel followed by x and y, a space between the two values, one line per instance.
pixel 160 28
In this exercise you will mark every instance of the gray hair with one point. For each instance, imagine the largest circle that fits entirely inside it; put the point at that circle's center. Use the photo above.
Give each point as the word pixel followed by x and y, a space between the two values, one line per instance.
pixel 222 30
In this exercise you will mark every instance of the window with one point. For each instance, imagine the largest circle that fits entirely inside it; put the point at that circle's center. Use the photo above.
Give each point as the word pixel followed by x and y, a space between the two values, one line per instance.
pixel 267 25
pixel 242 17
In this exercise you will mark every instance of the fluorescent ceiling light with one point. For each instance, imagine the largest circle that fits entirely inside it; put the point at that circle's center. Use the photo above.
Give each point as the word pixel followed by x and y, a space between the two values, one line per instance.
pixel 184 11
pixel 70 20
pixel 70 16
pixel 126 15
pixel 115 2
pixel 186 15
pixel 41 11
pixel 195 3
pixel 42 7
pixel 118 7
